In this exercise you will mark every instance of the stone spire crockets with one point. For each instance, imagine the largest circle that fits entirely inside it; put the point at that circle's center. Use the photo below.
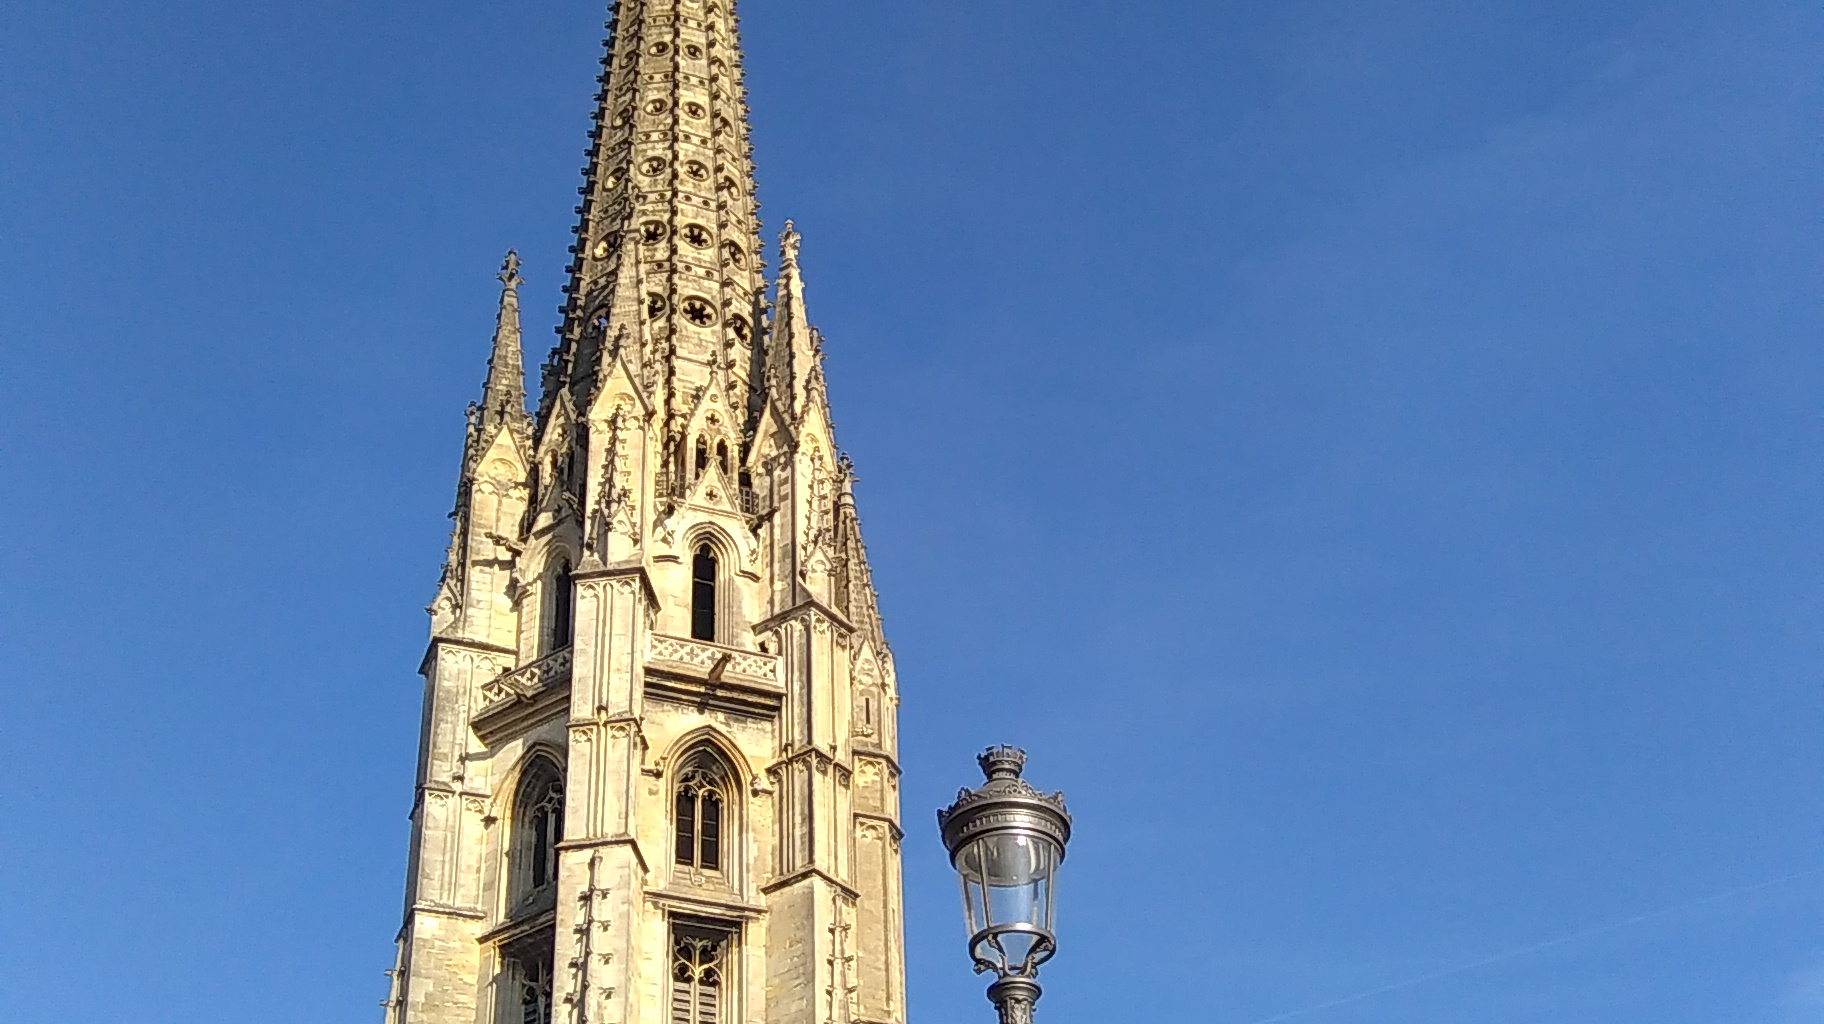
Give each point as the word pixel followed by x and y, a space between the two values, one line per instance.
pixel 658 771
pixel 666 269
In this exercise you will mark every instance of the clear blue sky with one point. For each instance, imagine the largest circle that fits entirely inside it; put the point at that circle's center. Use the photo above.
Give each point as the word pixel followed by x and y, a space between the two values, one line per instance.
pixel 1367 453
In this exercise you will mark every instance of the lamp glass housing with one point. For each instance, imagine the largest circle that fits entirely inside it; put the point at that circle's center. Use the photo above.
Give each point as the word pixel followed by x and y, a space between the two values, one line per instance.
pixel 1007 879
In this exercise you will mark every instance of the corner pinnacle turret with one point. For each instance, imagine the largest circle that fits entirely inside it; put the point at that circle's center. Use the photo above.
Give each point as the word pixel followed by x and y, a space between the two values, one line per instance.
pixel 504 395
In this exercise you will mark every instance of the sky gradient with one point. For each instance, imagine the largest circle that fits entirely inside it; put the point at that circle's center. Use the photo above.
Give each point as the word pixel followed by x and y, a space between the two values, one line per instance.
pixel 1367 454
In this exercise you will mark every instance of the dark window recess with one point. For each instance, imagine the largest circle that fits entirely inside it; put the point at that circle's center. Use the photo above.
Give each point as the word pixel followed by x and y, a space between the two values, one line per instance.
pixel 703 594
pixel 709 837
pixel 702 456
pixel 541 850
pixel 697 813
pixel 541 816
pixel 686 814
pixel 722 457
pixel 563 607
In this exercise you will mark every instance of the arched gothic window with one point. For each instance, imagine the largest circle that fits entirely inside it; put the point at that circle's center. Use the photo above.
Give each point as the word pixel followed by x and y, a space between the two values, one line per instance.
pixel 539 814
pixel 698 811
pixel 703 593
pixel 722 457
pixel 702 455
pixel 563 607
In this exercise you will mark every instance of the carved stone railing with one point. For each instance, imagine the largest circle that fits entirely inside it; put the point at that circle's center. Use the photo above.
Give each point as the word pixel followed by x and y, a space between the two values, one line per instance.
pixel 711 657
pixel 528 680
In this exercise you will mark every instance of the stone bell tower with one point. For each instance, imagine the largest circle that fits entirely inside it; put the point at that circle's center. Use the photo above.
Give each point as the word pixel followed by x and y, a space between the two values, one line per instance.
pixel 657 779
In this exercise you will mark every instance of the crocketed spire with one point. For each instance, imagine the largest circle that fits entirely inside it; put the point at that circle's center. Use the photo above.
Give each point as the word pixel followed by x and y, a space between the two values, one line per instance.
pixel 503 399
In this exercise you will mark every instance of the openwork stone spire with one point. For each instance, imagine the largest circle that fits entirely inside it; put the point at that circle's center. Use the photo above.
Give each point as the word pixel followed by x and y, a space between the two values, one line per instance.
pixel 666 272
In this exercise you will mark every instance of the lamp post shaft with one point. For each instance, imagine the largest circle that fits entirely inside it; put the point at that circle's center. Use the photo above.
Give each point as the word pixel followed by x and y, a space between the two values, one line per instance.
pixel 1014 998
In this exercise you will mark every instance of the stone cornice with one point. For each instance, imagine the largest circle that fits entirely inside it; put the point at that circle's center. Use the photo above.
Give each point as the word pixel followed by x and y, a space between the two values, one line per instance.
pixel 806 874
pixel 424 664
pixel 694 903
pixel 603 842
pixel 632 567
pixel 875 754
pixel 515 717
pixel 444 910
pixel 807 605
pixel 892 824
pixel 512 929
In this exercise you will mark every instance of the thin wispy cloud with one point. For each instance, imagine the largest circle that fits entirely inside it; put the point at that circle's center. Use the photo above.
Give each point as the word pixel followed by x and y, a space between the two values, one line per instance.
pixel 1805 994
pixel 1802 999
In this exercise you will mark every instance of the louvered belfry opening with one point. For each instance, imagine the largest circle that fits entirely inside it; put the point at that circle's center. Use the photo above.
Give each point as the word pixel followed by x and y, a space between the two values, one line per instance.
pixel 698 973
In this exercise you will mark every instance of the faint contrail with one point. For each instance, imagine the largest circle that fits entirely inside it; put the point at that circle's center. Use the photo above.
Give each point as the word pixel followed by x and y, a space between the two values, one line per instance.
pixel 1514 954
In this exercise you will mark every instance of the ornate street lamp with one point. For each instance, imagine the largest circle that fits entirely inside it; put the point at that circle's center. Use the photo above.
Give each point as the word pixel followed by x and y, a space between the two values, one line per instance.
pixel 1006 841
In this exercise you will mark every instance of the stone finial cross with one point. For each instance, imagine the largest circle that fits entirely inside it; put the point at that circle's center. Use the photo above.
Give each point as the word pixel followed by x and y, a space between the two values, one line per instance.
pixel 509 270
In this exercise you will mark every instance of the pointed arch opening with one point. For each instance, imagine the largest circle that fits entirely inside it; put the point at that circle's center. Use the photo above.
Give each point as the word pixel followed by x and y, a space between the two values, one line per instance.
pixel 701 826
pixel 538 828
pixel 704 567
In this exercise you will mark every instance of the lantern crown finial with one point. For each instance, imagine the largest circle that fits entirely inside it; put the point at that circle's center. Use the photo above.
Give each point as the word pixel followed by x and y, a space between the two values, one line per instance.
pixel 1002 762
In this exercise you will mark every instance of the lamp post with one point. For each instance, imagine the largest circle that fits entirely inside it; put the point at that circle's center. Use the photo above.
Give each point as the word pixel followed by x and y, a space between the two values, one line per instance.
pixel 1006 841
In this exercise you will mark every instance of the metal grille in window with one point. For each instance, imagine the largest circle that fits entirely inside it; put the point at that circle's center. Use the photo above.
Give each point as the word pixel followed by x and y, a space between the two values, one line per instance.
pixel 701 797
pixel 535 992
pixel 696 978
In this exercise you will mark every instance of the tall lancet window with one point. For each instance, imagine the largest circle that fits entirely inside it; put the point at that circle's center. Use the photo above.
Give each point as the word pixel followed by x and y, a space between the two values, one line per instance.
pixel 563 607
pixel 539 815
pixel 697 958
pixel 703 593
pixel 698 812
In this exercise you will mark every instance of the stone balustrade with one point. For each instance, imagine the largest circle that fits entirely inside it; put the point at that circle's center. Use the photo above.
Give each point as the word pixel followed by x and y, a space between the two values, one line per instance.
pixel 528 680
pixel 707 656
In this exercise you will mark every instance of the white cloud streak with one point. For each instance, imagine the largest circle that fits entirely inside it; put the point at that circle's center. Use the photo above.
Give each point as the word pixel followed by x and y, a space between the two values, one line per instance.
pixel 1799 991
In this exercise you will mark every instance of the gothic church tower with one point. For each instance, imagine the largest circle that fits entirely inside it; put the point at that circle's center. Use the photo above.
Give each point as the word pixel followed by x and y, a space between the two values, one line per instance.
pixel 657 779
